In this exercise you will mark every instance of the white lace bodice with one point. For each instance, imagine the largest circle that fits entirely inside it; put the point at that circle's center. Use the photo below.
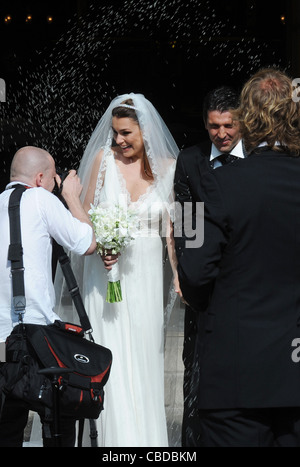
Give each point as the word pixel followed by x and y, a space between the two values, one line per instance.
pixel 152 210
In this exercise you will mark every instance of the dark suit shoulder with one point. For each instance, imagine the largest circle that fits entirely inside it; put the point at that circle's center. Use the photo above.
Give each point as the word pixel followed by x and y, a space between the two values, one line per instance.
pixel 200 149
pixel 195 158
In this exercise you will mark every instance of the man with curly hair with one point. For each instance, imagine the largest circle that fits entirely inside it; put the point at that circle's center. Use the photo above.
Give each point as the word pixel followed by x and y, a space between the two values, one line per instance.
pixel 249 332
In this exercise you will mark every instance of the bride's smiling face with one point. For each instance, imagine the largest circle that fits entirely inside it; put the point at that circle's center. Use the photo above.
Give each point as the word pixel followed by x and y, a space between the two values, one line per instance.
pixel 128 136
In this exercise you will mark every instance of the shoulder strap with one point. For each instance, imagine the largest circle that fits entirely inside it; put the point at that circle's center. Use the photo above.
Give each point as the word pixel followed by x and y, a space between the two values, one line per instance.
pixel 15 251
pixel 73 288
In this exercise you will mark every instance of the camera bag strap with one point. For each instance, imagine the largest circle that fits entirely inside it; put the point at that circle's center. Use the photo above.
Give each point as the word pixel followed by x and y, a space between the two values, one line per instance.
pixel 15 251
pixel 73 288
pixel 15 255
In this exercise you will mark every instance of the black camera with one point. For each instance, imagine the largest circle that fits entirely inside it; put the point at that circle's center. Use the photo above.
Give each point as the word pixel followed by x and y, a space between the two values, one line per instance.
pixel 57 190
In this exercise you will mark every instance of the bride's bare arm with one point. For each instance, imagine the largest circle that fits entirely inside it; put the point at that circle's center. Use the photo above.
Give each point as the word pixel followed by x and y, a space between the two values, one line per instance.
pixel 172 257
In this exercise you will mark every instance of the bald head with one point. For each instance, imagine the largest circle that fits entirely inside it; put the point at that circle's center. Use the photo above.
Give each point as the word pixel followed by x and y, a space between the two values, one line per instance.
pixel 33 166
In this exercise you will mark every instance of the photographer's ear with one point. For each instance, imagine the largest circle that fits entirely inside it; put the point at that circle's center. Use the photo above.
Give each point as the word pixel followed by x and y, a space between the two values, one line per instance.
pixel 39 179
pixel 46 179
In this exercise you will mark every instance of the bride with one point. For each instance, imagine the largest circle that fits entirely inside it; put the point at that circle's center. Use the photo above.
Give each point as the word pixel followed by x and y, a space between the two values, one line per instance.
pixel 132 155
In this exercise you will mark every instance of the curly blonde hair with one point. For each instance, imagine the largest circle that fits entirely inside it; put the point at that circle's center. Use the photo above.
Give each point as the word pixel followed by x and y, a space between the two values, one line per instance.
pixel 267 112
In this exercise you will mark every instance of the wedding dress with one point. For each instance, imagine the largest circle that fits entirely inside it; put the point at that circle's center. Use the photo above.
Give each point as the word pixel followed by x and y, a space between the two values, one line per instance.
pixel 133 329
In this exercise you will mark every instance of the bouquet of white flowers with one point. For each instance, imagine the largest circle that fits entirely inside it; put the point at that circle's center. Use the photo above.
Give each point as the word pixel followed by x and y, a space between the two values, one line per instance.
pixel 114 228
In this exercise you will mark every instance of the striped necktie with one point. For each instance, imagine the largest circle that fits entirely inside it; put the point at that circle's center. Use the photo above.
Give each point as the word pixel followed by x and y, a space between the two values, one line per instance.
pixel 224 159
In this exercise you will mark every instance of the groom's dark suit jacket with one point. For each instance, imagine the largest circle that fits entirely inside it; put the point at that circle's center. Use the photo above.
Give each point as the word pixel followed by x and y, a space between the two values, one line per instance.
pixel 192 164
pixel 250 331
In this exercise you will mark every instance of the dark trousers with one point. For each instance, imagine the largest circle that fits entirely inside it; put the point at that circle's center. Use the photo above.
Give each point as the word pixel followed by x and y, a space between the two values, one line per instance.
pixel 205 428
pixel 190 431
pixel 275 427
pixel 14 420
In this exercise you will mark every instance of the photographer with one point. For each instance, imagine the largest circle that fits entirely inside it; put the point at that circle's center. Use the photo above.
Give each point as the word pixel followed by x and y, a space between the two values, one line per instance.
pixel 43 217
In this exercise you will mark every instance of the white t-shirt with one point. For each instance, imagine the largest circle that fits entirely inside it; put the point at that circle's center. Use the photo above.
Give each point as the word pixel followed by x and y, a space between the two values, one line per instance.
pixel 43 217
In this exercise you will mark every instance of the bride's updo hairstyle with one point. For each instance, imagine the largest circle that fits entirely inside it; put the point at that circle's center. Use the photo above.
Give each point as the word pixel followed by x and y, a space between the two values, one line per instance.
pixel 125 112
pixel 122 111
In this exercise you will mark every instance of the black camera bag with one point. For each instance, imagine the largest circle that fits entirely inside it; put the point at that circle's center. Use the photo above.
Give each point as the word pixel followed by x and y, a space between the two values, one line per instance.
pixel 31 348
pixel 37 353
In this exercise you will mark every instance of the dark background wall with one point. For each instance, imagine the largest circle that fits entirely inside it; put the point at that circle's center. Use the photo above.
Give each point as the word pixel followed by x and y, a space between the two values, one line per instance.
pixel 60 75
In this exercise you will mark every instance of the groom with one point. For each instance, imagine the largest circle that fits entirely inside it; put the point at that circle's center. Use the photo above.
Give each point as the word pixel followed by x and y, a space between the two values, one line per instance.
pixel 192 164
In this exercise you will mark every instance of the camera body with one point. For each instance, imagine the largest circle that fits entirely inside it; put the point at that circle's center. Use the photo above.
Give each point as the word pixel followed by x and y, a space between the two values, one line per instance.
pixel 57 190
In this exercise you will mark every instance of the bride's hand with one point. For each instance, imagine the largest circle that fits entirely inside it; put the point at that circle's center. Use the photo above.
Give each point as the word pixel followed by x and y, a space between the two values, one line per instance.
pixel 109 260
pixel 178 289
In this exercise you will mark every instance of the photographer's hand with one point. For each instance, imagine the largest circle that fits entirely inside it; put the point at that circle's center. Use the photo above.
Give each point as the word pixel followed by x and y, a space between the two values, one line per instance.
pixel 71 191
pixel 72 187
